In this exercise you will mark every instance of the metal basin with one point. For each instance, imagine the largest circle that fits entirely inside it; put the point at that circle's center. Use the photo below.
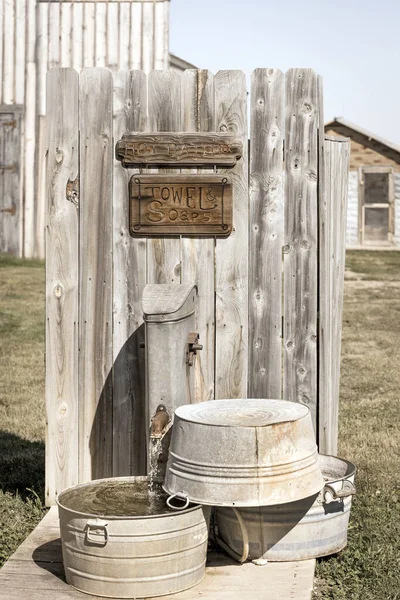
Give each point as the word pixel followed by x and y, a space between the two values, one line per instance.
pixel 119 540
pixel 309 528
pixel 243 453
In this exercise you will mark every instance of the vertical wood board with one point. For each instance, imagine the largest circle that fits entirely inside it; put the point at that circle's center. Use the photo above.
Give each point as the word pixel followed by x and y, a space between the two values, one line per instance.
pixel 21 15
pixel 164 89
pixel 147 37
pixel 231 260
pixel 135 51
pixel 266 233
pixel 8 42
pixel 129 262
pixel 62 281
pixel 301 239
pixel 77 36
pixel 95 348
pixel 336 180
pixel 124 31
pixel 89 26
pixel 198 254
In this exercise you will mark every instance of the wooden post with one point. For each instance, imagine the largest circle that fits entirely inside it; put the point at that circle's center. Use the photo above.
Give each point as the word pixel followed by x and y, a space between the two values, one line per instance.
pixel 164 254
pixel 129 444
pixel 62 283
pixel 231 259
pixel 301 239
pixel 266 233
pixel 198 254
pixel 95 348
pixel 332 247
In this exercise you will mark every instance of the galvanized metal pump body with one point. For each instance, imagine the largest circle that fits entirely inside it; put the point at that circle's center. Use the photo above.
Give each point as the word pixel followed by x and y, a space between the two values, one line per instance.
pixel 171 348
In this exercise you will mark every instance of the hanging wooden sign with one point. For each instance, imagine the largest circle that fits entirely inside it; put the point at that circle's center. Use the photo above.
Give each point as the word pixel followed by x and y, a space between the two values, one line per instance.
pixel 178 149
pixel 195 205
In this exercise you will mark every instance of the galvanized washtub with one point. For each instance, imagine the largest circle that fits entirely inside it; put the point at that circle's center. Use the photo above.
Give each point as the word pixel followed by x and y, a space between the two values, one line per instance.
pixel 243 453
pixel 309 528
pixel 120 541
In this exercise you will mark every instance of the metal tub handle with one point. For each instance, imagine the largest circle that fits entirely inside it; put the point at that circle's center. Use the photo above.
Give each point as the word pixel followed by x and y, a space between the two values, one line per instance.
pixel 245 540
pixel 330 494
pixel 97 524
pixel 180 496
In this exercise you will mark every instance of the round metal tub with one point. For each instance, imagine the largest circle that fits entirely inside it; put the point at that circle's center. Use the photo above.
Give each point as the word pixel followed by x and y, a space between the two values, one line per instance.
pixel 243 453
pixel 309 528
pixel 119 540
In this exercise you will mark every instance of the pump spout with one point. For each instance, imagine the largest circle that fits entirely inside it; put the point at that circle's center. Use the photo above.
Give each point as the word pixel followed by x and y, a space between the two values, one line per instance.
pixel 159 422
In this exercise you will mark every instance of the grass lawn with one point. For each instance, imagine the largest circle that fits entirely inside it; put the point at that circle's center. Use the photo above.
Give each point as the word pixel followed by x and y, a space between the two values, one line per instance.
pixel 369 569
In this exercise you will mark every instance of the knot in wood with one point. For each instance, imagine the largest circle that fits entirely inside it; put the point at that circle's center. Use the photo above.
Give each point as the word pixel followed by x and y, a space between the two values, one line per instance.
pixel 58 290
pixel 59 156
pixel 307 107
pixel 286 249
pixel 312 176
pixel 304 244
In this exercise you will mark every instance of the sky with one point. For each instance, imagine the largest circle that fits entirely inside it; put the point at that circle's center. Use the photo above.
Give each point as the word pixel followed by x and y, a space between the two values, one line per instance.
pixel 353 44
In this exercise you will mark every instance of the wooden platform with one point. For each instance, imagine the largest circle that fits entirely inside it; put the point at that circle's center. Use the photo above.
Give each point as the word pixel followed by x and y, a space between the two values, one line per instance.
pixel 35 572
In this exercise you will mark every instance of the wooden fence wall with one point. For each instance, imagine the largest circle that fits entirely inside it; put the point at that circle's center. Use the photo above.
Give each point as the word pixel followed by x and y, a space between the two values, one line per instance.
pixel 265 313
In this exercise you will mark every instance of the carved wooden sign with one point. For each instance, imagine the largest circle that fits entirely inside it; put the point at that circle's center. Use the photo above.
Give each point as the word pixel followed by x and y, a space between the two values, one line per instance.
pixel 178 149
pixel 195 205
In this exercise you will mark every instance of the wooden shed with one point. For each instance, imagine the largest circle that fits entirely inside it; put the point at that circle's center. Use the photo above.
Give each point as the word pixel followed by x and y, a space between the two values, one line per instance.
pixel 373 213
pixel 39 35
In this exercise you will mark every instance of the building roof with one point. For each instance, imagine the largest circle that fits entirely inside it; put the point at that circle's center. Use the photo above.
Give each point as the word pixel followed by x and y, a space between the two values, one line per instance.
pixel 364 137
pixel 179 63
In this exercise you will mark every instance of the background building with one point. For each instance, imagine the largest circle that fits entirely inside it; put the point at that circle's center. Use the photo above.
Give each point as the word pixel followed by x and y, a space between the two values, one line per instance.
pixel 373 215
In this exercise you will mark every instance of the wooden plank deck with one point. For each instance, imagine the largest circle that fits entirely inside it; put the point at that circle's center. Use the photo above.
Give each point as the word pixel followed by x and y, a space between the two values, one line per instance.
pixel 35 572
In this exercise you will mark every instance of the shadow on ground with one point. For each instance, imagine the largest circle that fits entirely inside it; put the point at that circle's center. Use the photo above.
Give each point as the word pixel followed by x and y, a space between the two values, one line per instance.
pixel 21 465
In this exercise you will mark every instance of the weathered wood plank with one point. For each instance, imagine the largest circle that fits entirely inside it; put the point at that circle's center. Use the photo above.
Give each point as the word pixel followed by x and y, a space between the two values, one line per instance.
pixel 21 17
pixel 29 141
pixel 135 50
pixel 40 203
pixel 148 38
pixel 62 267
pixel 112 29
pixel 160 59
pixel 8 42
pixel 77 36
pixel 66 34
pixel 89 25
pixel 164 255
pixel 301 239
pixel 266 233
pixel 336 162
pixel 339 218
pixel 54 35
pixel 26 574
pixel 95 357
pixel 124 31
pixel 198 254
pixel 42 55
pixel 179 150
pixel 232 253
pixel 100 34
pixel 129 441
pixel 325 248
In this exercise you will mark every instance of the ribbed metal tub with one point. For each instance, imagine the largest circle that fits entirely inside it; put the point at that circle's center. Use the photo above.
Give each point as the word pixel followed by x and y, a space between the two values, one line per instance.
pixel 111 551
pixel 243 453
pixel 309 528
